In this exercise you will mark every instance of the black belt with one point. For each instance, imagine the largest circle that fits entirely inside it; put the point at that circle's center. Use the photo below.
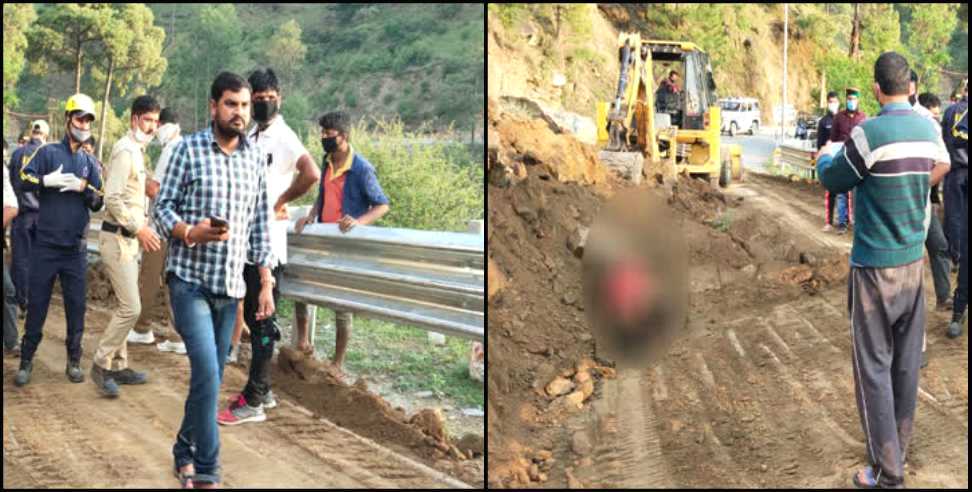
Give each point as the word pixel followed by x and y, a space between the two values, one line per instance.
pixel 117 229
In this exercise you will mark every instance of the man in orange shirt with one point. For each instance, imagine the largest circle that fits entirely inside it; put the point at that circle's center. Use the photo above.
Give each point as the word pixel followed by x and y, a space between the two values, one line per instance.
pixel 349 195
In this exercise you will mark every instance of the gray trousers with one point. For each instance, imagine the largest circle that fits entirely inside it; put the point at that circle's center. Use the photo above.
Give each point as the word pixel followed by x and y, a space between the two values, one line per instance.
pixel 9 312
pixel 887 312
pixel 938 256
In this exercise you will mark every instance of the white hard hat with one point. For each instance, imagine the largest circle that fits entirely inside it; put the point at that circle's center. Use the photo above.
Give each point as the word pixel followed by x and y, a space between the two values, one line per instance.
pixel 40 125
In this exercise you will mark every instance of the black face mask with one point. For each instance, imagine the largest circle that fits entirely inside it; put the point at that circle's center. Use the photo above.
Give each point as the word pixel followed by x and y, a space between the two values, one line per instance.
pixel 329 144
pixel 264 111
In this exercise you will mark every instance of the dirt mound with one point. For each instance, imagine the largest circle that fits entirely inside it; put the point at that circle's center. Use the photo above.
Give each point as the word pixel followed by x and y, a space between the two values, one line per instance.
pixel 524 138
pixel 546 190
pixel 356 408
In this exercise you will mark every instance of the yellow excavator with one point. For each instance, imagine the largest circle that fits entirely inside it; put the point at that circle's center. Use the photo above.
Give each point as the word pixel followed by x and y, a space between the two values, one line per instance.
pixel 681 127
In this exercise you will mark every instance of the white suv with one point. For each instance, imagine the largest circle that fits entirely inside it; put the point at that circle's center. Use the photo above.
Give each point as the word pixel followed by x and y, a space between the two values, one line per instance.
pixel 740 114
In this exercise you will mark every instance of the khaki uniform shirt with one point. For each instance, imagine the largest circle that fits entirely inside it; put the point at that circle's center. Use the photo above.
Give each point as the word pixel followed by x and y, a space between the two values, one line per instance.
pixel 125 200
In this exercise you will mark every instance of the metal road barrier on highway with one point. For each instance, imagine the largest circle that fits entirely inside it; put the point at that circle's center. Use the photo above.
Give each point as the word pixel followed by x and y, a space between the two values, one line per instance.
pixel 431 279
pixel 796 161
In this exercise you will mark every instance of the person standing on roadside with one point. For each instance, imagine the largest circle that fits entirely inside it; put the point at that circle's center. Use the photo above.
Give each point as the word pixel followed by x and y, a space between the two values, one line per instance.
pixel 291 172
pixel 824 126
pixel 349 195
pixel 68 185
pixel 25 223
pixel 212 205
pixel 125 228
pixel 890 162
pixel 150 275
pixel 957 140
pixel 844 122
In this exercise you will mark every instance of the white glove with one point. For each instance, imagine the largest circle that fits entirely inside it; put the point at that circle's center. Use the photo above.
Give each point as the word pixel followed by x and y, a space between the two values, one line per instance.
pixel 55 179
pixel 73 183
pixel 66 182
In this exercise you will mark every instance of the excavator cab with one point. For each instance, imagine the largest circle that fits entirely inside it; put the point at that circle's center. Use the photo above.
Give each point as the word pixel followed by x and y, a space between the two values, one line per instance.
pixel 681 127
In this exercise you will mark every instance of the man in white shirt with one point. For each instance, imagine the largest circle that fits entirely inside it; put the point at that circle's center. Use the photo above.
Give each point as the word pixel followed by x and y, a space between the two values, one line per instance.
pixel 153 262
pixel 286 158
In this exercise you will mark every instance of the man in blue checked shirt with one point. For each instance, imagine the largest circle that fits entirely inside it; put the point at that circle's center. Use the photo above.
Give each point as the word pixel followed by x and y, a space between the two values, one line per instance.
pixel 215 173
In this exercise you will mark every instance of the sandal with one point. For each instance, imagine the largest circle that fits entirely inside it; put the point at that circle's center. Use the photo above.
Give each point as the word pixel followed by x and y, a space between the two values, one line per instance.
pixel 870 481
pixel 185 479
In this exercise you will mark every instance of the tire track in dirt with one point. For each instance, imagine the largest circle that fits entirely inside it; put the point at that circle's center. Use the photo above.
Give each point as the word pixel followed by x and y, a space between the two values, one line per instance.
pixel 60 434
pixel 628 450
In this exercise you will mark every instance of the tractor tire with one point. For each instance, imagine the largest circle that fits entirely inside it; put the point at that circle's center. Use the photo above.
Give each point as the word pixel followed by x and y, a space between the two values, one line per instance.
pixel 732 129
pixel 725 173
pixel 754 128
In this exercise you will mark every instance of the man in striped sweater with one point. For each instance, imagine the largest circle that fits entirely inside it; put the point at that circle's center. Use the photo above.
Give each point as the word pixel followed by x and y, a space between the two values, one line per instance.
pixel 889 162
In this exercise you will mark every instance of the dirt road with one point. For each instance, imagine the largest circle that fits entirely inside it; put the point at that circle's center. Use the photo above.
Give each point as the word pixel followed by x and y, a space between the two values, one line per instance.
pixel 762 395
pixel 59 434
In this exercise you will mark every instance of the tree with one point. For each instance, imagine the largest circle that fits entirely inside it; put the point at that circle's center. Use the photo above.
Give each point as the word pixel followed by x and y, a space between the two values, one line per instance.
pixel 927 31
pixel 63 33
pixel 16 18
pixel 285 52
pixel 855 44
pixel 209 41
pixel 131 56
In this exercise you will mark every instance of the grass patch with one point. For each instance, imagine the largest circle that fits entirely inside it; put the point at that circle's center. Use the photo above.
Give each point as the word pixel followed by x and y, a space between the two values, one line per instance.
pixel 723 222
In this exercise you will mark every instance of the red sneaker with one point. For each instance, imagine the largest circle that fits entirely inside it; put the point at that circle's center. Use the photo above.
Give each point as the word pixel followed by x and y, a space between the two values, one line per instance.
pixel 239 412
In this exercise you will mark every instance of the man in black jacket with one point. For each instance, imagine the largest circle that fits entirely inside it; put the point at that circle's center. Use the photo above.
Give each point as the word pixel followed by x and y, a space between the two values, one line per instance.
pixel 823 135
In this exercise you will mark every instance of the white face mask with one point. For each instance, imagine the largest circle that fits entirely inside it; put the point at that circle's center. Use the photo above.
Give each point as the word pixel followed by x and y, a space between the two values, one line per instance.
pixel 168 132
pixel 832 107
pixel 143 138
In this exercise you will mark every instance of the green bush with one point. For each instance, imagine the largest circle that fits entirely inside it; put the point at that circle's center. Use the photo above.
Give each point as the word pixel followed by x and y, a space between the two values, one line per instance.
pixel 408 109
pixel 583 54
pixel 351 99
pixel 508 12
pixel 427 188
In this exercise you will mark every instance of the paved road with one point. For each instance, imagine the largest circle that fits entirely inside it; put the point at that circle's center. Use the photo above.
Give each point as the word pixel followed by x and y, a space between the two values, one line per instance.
pixel 757 150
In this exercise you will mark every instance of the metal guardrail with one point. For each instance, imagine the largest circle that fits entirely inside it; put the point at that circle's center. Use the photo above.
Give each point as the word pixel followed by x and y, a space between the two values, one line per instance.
pixel 429 279
pixel 796 160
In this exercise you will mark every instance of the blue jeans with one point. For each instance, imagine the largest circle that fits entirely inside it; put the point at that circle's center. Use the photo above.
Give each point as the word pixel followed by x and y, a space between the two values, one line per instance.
pixel 842 209
pixel 205 323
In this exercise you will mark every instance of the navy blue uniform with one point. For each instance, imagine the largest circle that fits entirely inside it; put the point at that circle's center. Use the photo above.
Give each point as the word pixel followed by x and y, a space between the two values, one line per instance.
pixel 60 248
pixel 22 230
pixel 956 212
pixel 959 136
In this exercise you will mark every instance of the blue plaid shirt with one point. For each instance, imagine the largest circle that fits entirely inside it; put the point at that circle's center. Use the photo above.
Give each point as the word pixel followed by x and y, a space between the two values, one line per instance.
pixel 202 181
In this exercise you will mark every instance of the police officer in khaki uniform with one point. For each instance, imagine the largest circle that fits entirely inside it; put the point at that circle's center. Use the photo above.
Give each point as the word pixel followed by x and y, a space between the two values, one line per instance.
pixel 125 228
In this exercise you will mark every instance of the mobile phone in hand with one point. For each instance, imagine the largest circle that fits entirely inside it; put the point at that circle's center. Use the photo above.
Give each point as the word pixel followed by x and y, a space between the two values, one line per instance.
pixel 218 222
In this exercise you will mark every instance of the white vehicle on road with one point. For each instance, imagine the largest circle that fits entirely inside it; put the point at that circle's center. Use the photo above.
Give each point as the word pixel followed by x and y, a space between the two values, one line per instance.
pixel 740 114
